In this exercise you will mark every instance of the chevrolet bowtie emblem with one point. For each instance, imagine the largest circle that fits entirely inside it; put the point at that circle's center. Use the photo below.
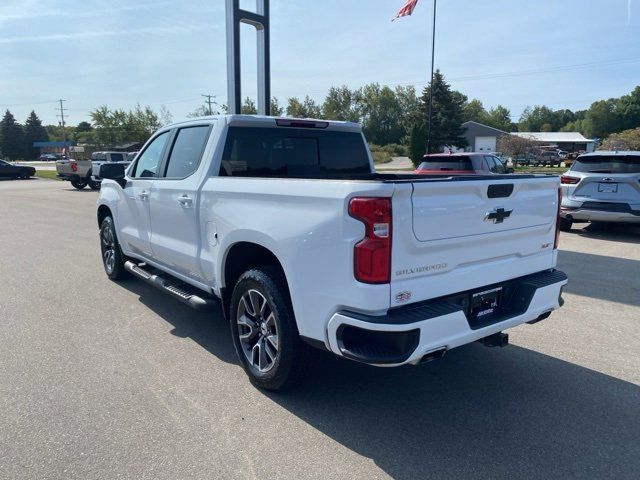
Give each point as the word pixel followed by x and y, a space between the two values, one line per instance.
pixel 497 215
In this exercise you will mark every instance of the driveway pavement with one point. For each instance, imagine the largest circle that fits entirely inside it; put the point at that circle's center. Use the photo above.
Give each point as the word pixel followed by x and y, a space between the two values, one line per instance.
pixel 100 380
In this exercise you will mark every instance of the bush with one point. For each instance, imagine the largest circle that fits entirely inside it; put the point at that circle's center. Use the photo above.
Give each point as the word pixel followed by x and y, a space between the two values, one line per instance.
pixel 379 154
pixel 626 140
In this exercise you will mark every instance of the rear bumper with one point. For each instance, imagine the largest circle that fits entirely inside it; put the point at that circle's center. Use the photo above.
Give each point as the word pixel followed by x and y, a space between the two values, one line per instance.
pixel 600 215
pixel 69 176
pixel 406 334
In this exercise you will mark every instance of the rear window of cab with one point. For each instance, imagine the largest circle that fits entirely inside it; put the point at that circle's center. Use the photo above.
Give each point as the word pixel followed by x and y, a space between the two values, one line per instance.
pixel 293 152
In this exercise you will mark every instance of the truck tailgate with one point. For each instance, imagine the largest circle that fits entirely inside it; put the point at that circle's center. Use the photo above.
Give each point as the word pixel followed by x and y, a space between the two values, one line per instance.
pixel 456 235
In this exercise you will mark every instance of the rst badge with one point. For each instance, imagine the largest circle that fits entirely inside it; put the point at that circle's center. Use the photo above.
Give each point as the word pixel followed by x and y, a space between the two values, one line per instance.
pixel 403 297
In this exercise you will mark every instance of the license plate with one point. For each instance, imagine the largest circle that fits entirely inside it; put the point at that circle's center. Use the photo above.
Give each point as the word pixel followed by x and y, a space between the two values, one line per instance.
pixel 608 187
pixel 485 303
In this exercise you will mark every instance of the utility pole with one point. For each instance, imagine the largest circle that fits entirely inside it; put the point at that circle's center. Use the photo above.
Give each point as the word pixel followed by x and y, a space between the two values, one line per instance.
pixel 64 130
pixel 209 102
pixel 433 50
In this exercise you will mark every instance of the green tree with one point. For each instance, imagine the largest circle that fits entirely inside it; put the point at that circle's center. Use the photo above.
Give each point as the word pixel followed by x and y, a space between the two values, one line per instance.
pixel 112 127
pixel 12 137
pixel 83 127
pixel 602 119
pixel 381 115
pixel 33 132
pixel 447 115
pixel 474 111
pixel 499 117
pixel 305 109
pixel 249 107
pixel 409 104
pixel 275 109
pixel 341 103
pixel 417 142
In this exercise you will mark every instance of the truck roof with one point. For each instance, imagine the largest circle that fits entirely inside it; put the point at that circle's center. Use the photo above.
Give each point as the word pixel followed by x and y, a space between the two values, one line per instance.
pixel 269 121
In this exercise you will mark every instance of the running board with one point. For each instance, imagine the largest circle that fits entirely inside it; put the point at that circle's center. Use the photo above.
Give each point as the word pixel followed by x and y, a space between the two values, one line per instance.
pixel 179 292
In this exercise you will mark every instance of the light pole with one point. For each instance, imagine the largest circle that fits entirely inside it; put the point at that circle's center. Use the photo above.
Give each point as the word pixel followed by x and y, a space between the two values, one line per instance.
pixel 433 50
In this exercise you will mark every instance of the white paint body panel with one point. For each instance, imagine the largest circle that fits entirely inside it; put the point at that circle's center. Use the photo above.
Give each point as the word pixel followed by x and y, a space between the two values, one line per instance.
pixel 306 225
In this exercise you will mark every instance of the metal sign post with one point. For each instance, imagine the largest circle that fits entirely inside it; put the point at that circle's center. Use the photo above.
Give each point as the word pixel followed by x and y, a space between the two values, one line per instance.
pixel 259 20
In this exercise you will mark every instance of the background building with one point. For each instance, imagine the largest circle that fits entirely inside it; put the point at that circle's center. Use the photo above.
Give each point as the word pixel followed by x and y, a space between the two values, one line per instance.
pixel 481 138
pixel 567 141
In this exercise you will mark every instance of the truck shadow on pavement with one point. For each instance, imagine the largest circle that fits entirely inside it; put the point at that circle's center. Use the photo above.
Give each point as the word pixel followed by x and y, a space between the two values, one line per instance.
pixel 478 413
pixel 208 329
pixel 599 276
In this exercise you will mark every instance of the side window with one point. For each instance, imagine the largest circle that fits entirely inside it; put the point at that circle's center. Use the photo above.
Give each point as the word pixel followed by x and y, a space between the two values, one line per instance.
pixel 148 162
pixel 187 151
pixel 495 165
pixel 116 157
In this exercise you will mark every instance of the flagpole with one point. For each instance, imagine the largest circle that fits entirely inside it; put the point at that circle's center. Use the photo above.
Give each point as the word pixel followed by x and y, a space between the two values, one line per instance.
pixel 433 50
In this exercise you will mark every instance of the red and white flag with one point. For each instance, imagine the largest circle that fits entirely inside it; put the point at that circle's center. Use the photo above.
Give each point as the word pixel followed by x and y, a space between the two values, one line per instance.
pixel 407 9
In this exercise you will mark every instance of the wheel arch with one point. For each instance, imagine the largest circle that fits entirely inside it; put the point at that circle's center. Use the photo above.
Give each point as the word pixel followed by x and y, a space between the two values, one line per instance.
pixel 240 257
pixel 103 211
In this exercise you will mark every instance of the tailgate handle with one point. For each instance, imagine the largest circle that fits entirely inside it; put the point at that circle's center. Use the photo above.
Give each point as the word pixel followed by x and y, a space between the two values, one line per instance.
pixel 500 190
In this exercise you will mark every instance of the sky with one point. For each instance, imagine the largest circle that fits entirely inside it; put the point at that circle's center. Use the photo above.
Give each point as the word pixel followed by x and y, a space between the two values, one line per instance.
pixel 560 53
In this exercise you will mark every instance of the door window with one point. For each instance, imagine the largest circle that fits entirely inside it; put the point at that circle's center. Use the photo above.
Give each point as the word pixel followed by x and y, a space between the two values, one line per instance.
pixel 187 151
pixel 148 162
pixel 495 165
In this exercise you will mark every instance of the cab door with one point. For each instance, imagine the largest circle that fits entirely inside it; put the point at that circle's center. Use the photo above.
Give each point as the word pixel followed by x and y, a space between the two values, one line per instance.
pixel 175 226
pixel 134 214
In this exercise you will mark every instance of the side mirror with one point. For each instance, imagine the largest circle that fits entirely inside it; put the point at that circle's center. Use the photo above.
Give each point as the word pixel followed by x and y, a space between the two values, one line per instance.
pixel 511 170
pixel 113 171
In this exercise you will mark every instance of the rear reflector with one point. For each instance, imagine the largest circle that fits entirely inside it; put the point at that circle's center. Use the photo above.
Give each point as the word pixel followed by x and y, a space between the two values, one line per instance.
pixel 285 122
pixel 372 254
pixel 567 180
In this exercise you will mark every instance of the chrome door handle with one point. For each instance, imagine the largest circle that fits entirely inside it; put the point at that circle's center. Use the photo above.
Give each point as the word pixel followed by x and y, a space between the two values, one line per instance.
pixel 185 201
pixel 143 195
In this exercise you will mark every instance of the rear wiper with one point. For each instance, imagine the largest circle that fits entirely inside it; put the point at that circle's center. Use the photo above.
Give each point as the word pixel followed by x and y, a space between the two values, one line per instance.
pixel 599 171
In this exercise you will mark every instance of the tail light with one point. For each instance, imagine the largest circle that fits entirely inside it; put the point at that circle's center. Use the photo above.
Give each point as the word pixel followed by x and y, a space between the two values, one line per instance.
pixel 74 166
pixel 567 180
pixel 372 254
pixel 557 239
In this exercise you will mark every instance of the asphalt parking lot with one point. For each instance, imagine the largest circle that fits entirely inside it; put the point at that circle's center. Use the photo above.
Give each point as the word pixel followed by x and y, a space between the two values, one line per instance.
pixel 103 380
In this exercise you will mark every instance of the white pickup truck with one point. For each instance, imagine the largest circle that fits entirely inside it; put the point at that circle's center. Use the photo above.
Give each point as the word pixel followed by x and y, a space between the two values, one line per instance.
pixel 285 224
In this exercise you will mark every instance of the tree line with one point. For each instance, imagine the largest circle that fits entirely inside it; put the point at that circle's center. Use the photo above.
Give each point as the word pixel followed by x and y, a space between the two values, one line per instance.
pixel 389 116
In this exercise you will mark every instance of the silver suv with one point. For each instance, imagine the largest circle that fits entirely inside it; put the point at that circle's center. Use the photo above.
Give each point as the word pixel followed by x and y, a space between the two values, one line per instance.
pixel 601 187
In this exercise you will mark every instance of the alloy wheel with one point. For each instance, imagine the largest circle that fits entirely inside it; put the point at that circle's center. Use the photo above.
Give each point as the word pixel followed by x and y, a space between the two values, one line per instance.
pixel 257 331
pixel 108 248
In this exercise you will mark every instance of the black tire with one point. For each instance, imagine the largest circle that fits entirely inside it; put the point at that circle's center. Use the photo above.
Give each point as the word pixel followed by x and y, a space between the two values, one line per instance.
pixel 565 224
pixel 292 357
pixel 112 257
pixel 94 185
pixel 79 184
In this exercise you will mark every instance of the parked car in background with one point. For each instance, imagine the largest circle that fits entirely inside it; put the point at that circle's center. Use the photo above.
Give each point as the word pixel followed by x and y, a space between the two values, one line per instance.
pixel 248 210
pixel 8 170
pixel 601 187
pixel 523 159
pixel 548 158
pixel 47 157
pixel 462 164
pixel 78 172
pixel 87 172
